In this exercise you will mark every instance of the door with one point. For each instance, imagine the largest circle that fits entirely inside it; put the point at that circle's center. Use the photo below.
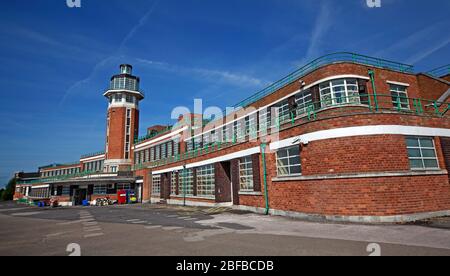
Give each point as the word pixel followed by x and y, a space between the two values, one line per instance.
pixel 80 195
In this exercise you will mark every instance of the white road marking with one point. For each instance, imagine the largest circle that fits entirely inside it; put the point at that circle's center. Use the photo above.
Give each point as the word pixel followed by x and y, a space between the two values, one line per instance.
pixel 93 235
pixel 92 229
pixel 139 222
pixel 13 209
pixel 55 235
pixel 131 220
pixel 153 227
pixel 25 214
pixel 172 228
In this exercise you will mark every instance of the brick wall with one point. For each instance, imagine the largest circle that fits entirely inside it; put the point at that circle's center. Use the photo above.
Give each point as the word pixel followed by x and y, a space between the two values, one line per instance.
pixel 431 88
pixel 116 139
pixel 368 196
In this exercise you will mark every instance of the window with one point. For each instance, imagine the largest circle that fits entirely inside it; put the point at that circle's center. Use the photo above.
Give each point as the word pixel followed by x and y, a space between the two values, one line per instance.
pixel 265 121
pixel 303 101
pixel 206 181
pixel 189 145
pixel 163 151
pixel 152 154
pixel 336 92
pixel 250 127
pixel 158 153
pixel 187 182
pixel 422 153
pixel 215 136
pixel 288 161
pixel 123 187
pixel 173 183
pixel 176 146
pixel 118 98
pixel 399 96
pixel 283 112
pixel 198 142
pixel 170 149
pixel 129 98
pixel 206 139
pixel 100 189
pixel 246 174
pixel 238 131
pixel 226 134
pixel 65 191
pixel 156 185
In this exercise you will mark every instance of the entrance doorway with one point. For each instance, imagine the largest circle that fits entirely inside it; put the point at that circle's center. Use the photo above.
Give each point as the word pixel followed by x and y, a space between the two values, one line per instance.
pixel 79 196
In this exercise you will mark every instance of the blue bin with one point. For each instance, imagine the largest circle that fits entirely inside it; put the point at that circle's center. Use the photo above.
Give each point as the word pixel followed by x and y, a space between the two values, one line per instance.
pixel 85 203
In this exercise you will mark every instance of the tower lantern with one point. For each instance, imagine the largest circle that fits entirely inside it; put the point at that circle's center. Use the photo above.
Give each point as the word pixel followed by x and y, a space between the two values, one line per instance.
pixel 123 97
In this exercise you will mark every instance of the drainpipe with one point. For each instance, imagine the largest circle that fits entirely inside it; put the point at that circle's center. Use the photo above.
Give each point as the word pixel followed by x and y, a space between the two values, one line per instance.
pixel 266 190
pixel 372 80
pixel 184 185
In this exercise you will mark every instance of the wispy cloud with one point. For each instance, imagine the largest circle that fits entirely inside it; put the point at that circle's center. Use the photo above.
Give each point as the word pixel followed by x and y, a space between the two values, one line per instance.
pixel 115 56
pixel 231 78
pixel 323 23
pixel 421 55
pixel 141 23
pixel 415 41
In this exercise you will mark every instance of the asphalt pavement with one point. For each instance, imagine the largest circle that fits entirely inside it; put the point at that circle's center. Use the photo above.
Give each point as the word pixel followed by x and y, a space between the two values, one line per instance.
pixel 158 230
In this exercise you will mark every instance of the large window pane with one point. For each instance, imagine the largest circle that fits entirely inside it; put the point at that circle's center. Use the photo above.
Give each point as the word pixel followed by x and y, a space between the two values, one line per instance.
pixel 288 161
pixel 422 153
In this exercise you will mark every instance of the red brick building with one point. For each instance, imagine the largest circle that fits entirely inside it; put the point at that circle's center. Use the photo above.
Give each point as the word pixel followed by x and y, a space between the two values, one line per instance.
pixel 346 137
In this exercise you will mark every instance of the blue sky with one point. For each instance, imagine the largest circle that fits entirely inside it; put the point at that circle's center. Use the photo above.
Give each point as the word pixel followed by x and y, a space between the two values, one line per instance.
pixel 56 61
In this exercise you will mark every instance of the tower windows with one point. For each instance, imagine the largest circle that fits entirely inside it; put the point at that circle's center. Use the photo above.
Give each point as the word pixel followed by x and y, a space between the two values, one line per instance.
pixel 127 134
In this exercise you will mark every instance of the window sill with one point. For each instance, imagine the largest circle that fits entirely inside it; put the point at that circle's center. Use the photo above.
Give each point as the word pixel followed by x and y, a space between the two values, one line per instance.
pixel 361 175
pixel 244 193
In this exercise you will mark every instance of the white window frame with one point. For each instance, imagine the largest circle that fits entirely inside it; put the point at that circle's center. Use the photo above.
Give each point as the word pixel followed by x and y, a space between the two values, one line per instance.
pixel 289 164
pixel 246 182
pixel 303 100
pixel 399 91
pixel 156 185
pixel 173 183
pixel 206 182
pixel 336 101
pixel 186 180
pixel 421 149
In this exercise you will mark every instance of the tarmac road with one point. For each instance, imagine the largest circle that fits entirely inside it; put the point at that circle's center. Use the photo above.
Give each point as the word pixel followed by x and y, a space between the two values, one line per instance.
pixel 186 231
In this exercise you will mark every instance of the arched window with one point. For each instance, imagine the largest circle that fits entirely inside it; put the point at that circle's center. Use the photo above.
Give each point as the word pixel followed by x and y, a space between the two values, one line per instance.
pixel 337 92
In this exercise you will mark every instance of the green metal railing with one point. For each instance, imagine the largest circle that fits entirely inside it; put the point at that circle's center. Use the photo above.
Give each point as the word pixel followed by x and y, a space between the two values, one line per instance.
pixel 151 136
pixel 322 61
pixel 336 107
pixel 92 154
pixel 60 165
pixel 441 71
pixel 58 178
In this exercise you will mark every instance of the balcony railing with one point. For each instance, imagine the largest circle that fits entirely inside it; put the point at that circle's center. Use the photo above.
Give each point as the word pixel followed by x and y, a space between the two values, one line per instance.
pixel 151 136
pixel 92 154
pixel 322 61
pixel 363 104
pixel 441 71
pixel 134 90
pixel 60 178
